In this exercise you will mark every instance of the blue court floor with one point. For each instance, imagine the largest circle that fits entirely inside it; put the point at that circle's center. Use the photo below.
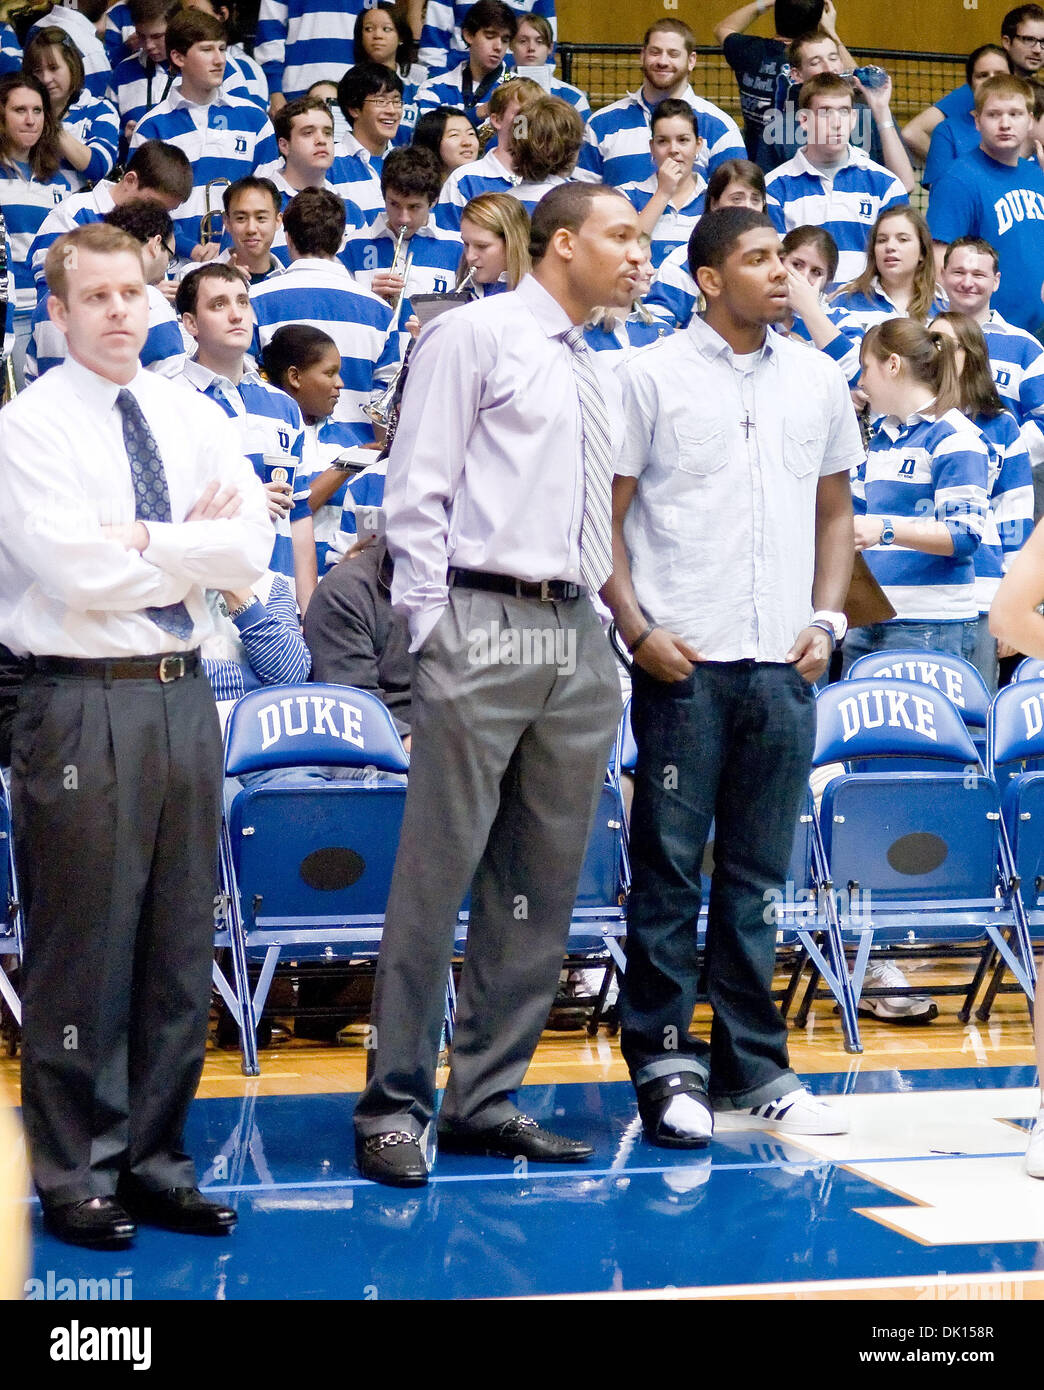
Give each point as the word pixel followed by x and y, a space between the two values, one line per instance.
pixel 928 1183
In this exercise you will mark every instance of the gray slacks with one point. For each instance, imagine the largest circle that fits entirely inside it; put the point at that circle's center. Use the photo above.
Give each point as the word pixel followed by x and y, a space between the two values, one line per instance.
pixel 509 755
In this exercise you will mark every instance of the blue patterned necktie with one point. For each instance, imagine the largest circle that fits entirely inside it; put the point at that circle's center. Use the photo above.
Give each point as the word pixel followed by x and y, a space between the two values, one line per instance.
pixel 151 498
pixel 596 536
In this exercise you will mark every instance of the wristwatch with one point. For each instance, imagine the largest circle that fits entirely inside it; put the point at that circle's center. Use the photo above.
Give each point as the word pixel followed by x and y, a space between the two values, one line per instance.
pixel 887 531
pixel 834 623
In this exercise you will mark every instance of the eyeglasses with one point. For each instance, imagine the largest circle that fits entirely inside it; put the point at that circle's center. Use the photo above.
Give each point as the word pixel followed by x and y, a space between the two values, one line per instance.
pixel 1030 43
pixel 385 103
pixel 172 255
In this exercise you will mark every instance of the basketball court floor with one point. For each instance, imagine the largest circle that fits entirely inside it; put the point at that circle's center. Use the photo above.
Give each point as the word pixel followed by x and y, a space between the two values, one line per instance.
pixel 924 1199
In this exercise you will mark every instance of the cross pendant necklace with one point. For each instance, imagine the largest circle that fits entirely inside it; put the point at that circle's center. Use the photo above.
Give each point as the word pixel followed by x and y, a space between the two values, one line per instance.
pixel 747 425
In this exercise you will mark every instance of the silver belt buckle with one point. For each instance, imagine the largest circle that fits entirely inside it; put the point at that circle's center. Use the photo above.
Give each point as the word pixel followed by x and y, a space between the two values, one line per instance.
pixel 171 668
pixel 545 596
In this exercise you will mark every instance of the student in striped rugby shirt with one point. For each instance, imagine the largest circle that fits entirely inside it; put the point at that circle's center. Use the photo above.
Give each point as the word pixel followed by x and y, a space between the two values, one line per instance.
pixel 921 497
pixel 670 201
pixel 495 231
pixel 449 134
pixel 89 127
pixel 1009 520
pixel 495 172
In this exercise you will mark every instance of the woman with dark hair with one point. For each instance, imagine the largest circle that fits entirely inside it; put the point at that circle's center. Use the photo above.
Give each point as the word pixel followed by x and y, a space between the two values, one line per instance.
pixel 30 187
pixel 738 183
pixel 449 134
pixel 921 497
pixel 810 256
pixel 305 362
pixel 1010 490
pixel 90 127
pixel 383 36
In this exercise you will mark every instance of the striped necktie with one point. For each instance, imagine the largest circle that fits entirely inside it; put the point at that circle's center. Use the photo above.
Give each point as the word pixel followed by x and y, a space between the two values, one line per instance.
pixel 596 536
pixel 151 498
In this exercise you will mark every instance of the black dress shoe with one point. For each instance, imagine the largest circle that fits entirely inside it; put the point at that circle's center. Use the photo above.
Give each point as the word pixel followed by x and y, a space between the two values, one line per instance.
pixel 181 1209
pixel 394 1158
pixel 100 1223
pixel 519 1137
pixel 654 1100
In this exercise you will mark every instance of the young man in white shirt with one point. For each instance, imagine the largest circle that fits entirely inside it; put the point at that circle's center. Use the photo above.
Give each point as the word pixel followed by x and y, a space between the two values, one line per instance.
pixel 732 547
pixel 498 526
pixel 116 757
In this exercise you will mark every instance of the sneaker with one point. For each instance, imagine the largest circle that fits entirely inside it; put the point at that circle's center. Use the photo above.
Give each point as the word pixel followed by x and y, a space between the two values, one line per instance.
pixel 798 1112
pixel 895 1008
pixel 1035 1151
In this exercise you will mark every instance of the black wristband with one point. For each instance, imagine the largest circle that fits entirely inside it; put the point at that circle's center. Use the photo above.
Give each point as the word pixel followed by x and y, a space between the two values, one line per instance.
pixel 633 646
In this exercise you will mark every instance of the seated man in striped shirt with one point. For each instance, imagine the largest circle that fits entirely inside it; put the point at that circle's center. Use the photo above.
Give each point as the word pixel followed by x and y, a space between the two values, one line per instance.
pixel 224 137
pixel 489 26
pixel 616 145
pixel 832 183
pixel 495 172
pixel 370 96
pixel 214 304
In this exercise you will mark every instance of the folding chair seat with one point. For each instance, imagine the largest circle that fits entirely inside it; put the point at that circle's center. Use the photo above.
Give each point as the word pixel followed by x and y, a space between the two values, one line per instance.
pixel 10 920
pixel 1016 757
pixel 305 864
pixel 957 679
pixel 921 856
pixel 1030 669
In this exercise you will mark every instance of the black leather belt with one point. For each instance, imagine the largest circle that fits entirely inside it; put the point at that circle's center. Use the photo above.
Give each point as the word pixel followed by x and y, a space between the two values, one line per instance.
pixel 546 590
pixel 162 667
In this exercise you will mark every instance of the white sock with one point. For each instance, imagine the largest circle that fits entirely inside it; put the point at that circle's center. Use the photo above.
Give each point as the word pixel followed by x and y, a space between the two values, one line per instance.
pixel 688 1117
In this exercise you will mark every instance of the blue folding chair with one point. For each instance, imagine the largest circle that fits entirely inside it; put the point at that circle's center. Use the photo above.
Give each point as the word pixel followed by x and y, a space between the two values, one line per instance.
pixel 1016 762
pixel 11 941
pixel 305 862
pixel 957 679
pixel 922 856
pixel 1030 669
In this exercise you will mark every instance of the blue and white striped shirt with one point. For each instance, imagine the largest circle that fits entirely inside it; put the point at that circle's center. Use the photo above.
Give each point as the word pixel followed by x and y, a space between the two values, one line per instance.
pixel 457 88
pixel 96 69
pixel 25 203
pixel 75 211
pixel 301 42
pixel 442 38
pixel 616 141
pixel 434 257
pixel 354 218
pixel 673 294
pixel 355 176
pixel 1017 363
pixel 228 138
pixel 1009 519
pixel 10 51
pixel 95 124
pixel 627 336
pixel 675 225
pixel 270 423
pixel 855 314
pixel 274 650
pixel 119 31
pixel 485 175
pixel 936 470
pixel 846 204
pixel 563 90
pixel 138 84
pixel 364 491
pixel 164 351
pixel 322 293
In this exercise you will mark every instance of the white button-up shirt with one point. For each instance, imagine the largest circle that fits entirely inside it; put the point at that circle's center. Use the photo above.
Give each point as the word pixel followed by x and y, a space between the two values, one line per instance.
pixel 486 471
pixel 67 588
pixel 721 531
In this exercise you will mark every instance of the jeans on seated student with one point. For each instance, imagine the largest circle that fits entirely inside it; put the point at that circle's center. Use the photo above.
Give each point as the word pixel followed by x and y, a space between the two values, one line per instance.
pixel 955 638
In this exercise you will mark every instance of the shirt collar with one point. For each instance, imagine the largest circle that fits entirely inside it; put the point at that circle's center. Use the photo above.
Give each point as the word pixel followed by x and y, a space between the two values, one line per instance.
pixel 204 379
pixel 855 156
pixel 351 146
pixel 549 314
pixel 639 96
pixel 710 344
pixel 97 390
pixel 894 427
pixel 379 227
pixel 334 266
pixel 178 102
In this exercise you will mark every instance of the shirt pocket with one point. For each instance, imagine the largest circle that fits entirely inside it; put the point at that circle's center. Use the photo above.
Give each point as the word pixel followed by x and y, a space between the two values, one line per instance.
pixel 802 449
pixel 700 448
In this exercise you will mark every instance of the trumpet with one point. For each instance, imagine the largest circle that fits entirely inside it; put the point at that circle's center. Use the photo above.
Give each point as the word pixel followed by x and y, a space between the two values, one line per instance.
pixel 207 230
pixel 402 263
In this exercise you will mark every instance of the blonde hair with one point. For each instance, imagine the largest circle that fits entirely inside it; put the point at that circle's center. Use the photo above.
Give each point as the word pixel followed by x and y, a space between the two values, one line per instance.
pixel 924 292
pixel 506 218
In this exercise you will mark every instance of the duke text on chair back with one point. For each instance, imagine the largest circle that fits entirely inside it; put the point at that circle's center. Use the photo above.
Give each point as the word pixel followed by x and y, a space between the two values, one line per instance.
pixel 1016 757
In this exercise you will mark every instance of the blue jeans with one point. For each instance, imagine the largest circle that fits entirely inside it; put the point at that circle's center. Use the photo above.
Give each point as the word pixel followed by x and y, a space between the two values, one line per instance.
pixel 912 634
pixel 734 742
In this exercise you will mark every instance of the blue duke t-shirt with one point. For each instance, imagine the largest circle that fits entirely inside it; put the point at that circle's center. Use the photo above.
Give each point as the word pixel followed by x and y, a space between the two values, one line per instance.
pixel 978 196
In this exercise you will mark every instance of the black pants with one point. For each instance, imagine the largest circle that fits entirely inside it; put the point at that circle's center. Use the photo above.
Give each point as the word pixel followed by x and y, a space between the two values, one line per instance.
pixel 116 795
pixel 732 742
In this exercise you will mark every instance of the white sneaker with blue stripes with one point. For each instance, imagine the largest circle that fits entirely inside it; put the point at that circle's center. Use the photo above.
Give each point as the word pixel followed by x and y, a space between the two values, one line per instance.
pixel 798 1112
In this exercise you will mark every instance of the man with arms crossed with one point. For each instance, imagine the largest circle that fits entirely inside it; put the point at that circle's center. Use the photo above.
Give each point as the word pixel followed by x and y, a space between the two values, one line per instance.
pixel 498 521
pixel 124 496
pixel 733 544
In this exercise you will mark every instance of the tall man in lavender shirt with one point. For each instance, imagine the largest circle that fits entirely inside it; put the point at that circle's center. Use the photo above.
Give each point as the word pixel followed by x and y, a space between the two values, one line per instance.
pixel 498 520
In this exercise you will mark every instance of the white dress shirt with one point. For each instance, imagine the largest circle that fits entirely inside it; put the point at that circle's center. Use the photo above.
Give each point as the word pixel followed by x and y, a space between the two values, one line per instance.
pixel 69 589
pixel 486 471
pixel 721 531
